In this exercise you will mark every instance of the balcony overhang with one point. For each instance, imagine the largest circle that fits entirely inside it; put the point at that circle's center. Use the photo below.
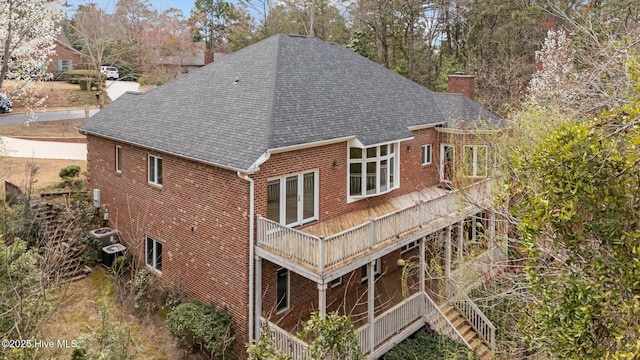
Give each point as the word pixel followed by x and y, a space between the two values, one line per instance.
pixel 332 248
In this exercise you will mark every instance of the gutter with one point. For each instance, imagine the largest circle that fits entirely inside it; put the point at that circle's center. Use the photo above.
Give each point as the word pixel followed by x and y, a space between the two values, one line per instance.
pixel 251 253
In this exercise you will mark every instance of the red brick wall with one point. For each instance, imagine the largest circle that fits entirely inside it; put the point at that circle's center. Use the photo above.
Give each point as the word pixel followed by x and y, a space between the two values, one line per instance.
pixel 333 182
pixel 63 53
pixel 200 215
pixel 304 292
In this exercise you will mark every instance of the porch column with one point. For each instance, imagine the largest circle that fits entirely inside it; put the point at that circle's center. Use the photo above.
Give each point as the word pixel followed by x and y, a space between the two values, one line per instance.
pixel 422 264
pixel 460 240
pixel 371 303
pixel 447 260
pixel 322 300
pixel 258 296
pixel 492 234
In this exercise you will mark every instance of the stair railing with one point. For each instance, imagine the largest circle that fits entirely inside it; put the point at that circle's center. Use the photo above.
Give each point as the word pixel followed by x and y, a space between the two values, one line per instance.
pixel 476 318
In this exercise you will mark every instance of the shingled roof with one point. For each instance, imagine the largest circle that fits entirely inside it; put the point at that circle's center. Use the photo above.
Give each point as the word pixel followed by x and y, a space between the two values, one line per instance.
pixel 283 91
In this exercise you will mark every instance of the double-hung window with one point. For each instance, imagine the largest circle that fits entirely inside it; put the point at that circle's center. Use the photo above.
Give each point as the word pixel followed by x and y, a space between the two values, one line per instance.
pixel 475 160
pixel 118 152
pixel 426 154
pixel 377 269
pixel 293 199
pixel 282 290
pixel 153 250
pixel 155 170
pixel 373 170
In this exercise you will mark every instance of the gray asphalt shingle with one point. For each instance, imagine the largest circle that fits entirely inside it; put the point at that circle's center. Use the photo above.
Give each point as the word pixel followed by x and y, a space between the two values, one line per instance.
pixel 290 90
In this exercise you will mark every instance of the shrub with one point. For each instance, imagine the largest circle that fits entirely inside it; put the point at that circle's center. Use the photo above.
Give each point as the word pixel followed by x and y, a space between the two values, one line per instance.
pixel 74 76
pixel 196 324
pixel 427 346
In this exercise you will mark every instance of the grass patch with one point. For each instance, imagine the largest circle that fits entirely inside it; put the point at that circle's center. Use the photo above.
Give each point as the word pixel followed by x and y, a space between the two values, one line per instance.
pixel 59 128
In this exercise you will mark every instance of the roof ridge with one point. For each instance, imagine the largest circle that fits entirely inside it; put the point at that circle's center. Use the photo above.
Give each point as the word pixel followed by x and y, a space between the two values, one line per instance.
pixel 274 98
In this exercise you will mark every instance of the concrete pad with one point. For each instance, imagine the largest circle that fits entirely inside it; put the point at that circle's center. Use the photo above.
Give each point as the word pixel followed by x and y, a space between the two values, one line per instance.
pixel 43 149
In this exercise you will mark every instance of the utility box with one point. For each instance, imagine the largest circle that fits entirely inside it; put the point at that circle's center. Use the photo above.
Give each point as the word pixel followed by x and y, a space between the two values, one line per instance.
pixel 111 253
pixel 106 236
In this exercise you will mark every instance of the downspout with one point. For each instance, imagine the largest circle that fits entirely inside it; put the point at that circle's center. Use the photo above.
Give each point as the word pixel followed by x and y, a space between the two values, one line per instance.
pixel 251 252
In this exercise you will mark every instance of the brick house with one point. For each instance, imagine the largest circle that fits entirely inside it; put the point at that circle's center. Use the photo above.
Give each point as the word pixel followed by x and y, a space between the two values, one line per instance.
pixel 276 180
pixel 66 58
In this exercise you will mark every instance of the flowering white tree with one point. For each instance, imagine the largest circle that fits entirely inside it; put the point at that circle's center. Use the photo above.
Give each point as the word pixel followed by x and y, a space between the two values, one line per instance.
pixel 554 80
pixel 28 29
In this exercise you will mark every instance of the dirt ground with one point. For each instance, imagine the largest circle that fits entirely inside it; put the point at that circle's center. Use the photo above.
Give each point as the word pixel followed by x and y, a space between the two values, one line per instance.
pixel 78 313
pixel 16 170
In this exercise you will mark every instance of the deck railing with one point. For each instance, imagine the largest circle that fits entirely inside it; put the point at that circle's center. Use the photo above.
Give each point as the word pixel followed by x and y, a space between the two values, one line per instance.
pixel 321 252
pixel 385 326
pixel 476 318
pixel 287 342
pixel 440 324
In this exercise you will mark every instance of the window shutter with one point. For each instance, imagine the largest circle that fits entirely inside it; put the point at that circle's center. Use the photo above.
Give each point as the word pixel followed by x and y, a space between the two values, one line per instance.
pixel 59 64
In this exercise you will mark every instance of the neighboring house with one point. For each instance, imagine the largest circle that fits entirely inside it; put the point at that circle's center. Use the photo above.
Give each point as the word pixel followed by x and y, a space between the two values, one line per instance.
pixel 179 64
pixel 66 57
pixel 294 178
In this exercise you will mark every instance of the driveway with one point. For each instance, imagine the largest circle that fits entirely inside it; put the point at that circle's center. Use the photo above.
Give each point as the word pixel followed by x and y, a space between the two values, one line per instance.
pixel 117 88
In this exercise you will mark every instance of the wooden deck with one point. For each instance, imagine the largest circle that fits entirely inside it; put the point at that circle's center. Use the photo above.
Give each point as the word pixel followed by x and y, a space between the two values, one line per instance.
pixel 359 217
pixel 328 245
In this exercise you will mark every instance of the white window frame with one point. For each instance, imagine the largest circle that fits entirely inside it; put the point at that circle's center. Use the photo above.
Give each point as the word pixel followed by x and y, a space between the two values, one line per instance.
pixel 395 171
pixel 336 282
pixel 300 219
pixel 474 164
pixel 442 160
pixel 412 245
pixel 428 152
pixel 118 158
pixel 153 178
pixel 377 269
pixel 154 263
pixel 280 309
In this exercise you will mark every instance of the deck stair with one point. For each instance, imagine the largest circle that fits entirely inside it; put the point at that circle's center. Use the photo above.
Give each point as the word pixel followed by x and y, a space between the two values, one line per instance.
pixel 62 251
pixel 467 331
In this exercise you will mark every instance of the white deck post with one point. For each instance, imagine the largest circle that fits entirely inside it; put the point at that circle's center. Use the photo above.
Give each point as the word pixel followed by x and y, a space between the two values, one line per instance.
pixel 460 240
pixel 492 233
pixel 447 260
pixel 258 296
pixel 371 304
pixel 422 264
pixel 322 300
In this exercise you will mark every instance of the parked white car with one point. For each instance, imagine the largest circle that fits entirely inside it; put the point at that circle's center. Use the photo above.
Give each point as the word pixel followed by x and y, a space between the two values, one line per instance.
pixel 110 71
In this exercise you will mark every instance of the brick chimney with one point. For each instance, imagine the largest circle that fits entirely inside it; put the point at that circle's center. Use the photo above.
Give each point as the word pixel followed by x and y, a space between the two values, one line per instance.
pixel 208 56
pixel 460 83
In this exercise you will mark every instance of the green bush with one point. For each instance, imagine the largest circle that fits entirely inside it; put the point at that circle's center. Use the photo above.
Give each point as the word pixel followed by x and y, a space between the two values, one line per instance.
pixel 74 76
pixel 196 324
pixel 427 346
pixel 122 264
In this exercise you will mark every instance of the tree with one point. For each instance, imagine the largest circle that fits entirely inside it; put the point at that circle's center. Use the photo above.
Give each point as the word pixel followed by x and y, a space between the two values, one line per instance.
pixel 575 188
pixel 213 19
pixel 93 32
pixel 27 33
pixel 332 337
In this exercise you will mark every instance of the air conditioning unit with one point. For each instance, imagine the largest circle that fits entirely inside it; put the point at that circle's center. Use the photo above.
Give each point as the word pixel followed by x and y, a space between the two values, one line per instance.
pixel 106 236
pixel 111 253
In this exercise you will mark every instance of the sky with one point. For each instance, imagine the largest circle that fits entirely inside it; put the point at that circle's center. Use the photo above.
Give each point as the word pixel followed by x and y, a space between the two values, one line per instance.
pixel 160 5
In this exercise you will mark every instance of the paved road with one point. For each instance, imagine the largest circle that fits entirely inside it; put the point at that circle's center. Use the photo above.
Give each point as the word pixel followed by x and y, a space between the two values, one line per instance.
pixel 55 150
pixel 114 88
